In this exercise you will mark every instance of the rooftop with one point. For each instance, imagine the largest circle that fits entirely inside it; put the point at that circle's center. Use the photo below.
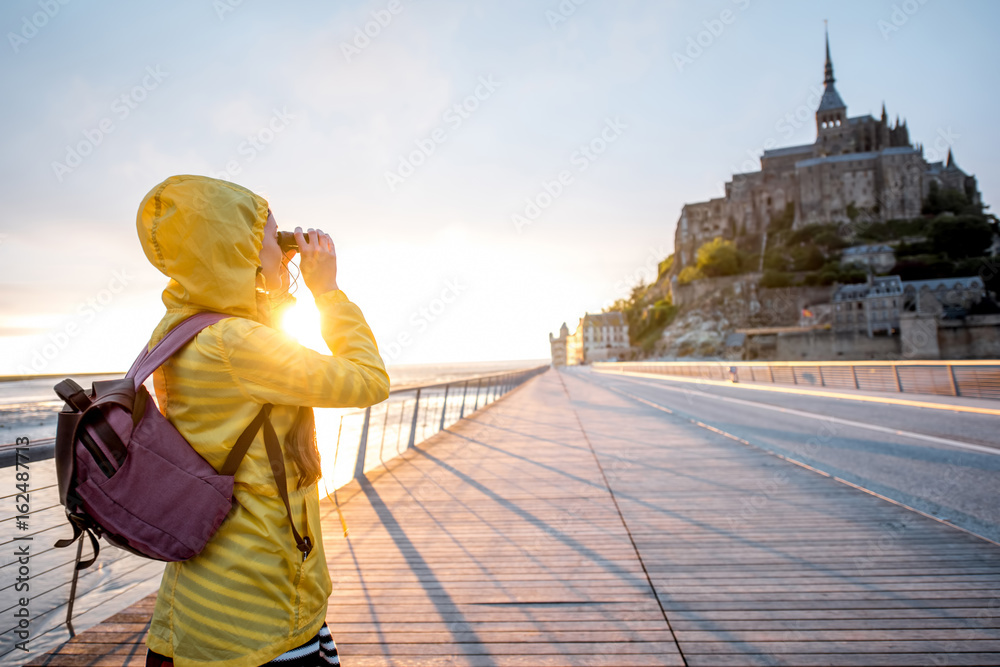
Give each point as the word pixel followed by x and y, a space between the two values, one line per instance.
pixel 880 286
pixel 967 282
pixel 866 249
pixel 788 150
pixel 612 319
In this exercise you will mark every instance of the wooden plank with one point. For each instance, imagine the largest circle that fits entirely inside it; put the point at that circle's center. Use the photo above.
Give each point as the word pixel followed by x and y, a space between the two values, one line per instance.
pixel 843 660
pixel 499 543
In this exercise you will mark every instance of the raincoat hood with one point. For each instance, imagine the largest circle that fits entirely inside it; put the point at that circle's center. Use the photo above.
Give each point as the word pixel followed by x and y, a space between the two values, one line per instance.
pixel 205 234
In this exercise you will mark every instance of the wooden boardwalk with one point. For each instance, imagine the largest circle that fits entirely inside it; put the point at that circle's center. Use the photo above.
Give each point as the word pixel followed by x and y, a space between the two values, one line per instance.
pixel 569 525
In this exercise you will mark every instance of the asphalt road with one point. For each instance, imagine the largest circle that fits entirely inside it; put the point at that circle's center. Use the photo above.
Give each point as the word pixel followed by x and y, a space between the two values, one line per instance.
pixel 941 462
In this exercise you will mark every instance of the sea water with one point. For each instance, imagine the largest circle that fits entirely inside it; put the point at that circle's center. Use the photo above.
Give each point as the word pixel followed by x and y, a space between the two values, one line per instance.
pixel 28 408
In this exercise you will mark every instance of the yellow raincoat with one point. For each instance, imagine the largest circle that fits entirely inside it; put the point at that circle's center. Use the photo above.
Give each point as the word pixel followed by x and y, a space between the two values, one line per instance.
pixel 248 596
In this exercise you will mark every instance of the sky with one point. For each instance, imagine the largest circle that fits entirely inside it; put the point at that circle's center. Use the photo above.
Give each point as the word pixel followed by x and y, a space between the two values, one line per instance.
pixel 487 169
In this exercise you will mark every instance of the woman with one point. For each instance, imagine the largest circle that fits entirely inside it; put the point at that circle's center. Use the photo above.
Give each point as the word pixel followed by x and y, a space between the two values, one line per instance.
pixel 249 597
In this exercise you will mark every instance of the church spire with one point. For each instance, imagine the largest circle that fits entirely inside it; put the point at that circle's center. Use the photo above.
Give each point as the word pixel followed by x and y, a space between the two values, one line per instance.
pixel 828 68
pixel 951 160
pixel 830 102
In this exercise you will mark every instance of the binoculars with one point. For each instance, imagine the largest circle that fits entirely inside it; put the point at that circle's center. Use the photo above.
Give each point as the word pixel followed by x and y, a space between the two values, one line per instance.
pixel 286 241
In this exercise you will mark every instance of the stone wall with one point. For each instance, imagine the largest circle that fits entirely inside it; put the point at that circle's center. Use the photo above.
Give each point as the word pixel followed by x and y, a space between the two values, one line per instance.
pixel 782 306
pixel 827 345
pixel 978 337
pixel 918 334
pixel 698 291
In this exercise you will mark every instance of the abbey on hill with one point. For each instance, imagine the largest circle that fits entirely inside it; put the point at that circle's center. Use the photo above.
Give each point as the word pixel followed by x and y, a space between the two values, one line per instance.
pixel 858 168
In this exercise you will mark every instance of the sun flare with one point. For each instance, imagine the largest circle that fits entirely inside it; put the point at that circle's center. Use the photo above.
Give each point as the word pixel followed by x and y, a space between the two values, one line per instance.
pixel 302 322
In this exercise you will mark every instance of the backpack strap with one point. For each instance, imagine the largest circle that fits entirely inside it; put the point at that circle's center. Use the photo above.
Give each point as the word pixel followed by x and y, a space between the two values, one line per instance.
pixel 274 455
pixel 242 445
pixel 278 470
pixel 149 360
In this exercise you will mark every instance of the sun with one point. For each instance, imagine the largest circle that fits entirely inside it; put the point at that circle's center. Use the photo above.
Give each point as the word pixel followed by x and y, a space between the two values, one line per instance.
pixel 302 322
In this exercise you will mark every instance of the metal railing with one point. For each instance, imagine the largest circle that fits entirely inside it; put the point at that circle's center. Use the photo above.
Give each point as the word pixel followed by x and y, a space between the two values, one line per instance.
pixel 352 443
pixel 971 379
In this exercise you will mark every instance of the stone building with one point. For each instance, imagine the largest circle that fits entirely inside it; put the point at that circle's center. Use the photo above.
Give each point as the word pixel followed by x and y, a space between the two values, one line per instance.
pixel 880 258
pixel 859 168
pixel 605 336
pixel 948 293
pixel 598 337
pixel 875 306
pixel 557 346
pixel 869 307
pixel 574 347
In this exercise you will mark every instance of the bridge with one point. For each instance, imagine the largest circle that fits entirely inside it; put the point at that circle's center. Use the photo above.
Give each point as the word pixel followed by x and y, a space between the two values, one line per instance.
pixel 619 516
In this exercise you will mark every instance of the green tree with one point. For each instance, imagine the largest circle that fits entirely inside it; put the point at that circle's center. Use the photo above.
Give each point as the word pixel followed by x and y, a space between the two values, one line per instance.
pixel 645 322
pixel 689 273
pixel 944 200
pixel 807 258
pixel 719 257
pixel 663 268
pixel 960 237
pixel 923 267
pixel 776 279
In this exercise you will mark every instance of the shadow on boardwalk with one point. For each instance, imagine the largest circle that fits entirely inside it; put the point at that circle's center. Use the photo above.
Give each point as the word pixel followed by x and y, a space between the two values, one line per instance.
pixel 568 525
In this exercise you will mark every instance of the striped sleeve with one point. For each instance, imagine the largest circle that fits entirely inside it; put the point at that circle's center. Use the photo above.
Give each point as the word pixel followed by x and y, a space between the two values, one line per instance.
pixel 270 366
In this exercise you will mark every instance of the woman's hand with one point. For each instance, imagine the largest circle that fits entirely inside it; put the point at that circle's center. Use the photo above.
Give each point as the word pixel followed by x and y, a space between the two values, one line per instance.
pixel 318 261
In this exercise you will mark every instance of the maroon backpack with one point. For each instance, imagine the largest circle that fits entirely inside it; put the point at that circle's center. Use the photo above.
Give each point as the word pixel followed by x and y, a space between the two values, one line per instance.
pixel 126 474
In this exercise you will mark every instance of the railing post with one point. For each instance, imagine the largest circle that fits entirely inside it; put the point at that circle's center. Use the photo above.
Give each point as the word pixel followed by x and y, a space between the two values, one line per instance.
pixel 385 427
pixel 465 390
pixel 427 413
pixel 895 372
pixel 854 374
pixel 954 382
pixel 479 386
pixel 413 424
pixel 444 408
pixel 359 464
pixel 399 426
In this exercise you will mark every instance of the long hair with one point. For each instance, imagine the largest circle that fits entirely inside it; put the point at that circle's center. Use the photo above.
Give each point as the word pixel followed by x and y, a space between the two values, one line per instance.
pixel 300 442
pixel 301 445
